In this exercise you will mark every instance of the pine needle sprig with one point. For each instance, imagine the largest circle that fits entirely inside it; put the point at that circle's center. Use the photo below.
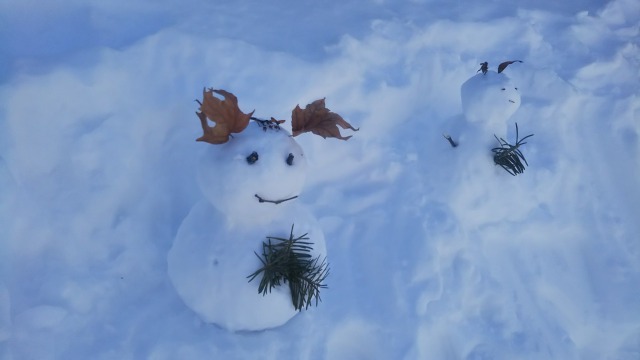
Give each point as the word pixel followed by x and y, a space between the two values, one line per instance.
pixel 290 261
pixel 509 156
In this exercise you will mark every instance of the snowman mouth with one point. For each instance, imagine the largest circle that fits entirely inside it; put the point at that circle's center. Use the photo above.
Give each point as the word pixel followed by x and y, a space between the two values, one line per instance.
pixel 263 200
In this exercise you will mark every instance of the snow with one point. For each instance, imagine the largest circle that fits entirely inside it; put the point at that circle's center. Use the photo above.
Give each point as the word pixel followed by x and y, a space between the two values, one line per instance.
pixel 435 253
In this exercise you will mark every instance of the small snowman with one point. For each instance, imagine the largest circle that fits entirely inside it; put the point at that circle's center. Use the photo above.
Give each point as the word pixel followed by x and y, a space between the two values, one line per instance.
pixel 250 182
pixel 489 99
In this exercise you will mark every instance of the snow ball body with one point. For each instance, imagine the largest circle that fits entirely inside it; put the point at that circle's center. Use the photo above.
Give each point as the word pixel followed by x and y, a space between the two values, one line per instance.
pixel 210 260
pixel 215 248
pixel 490 100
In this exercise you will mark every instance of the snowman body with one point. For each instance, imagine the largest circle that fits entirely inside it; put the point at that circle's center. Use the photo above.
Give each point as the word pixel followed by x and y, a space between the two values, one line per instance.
pixel 488 101
pixel 249 186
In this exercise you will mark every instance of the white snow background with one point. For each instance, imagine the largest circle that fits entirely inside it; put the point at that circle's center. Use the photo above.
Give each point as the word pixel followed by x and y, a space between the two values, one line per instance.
pixel 435 253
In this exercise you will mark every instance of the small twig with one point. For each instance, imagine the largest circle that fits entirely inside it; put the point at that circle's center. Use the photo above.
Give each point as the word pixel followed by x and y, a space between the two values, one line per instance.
pixel 268 124
pixel 274 201
pixel 448 137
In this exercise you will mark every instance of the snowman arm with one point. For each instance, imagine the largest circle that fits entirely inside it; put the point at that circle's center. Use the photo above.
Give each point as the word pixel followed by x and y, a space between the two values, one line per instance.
pixel 448 137
pixel 274 201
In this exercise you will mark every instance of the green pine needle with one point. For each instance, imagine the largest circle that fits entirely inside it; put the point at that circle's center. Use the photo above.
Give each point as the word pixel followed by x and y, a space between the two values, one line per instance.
pixel 508 156
pixel 290 261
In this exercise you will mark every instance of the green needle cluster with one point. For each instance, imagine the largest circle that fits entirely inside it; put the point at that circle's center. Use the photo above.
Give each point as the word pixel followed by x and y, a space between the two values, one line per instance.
pixel 290 261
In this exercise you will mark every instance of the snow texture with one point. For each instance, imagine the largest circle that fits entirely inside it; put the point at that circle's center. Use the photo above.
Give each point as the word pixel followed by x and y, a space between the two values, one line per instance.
pixel 435 252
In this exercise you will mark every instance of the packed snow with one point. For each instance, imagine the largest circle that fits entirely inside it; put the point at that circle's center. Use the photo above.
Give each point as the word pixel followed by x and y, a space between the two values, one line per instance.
pixel 434 251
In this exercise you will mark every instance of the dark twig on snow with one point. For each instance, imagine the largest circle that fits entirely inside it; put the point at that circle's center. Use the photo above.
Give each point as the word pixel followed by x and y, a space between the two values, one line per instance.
pixel 260 199
pixel 448 137
pixel 267 124
pixel 508 156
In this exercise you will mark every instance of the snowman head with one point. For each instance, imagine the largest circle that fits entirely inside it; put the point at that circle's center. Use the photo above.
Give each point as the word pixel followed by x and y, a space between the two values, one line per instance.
pixel 252 175
pixel 489 97
pixel 255 174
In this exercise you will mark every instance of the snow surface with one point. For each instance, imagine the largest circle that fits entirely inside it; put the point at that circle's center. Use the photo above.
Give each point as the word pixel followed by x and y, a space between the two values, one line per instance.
pixel 435 253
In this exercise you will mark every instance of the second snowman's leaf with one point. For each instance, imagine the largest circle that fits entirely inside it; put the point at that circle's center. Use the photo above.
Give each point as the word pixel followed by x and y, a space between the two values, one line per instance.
pixel 504 65
pixel 226 115
pixel 319 120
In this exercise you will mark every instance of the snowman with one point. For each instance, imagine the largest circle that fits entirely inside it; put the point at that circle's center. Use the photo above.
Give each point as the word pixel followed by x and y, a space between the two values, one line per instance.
pixel 250 181
pixel 489 99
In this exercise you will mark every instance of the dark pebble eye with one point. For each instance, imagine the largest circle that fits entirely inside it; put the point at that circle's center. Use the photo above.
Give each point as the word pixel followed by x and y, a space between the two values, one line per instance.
pixel 503 89
pixel 290 159
pixel 516 88
pixel 251 159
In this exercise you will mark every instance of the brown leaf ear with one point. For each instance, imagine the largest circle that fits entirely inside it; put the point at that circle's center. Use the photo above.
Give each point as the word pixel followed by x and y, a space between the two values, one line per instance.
pixel 224 113
pixel 319 120
pixel 504 65
pixel 211 135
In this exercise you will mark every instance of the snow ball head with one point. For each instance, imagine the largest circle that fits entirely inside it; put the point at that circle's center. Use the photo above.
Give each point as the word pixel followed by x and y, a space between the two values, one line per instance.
pixel 489 98
pixel 260 162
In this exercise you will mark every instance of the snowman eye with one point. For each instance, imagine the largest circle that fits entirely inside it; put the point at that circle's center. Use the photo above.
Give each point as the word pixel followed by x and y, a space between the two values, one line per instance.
pixel 251 159
pixel 290 159
pixel 503 89
pixel 516 88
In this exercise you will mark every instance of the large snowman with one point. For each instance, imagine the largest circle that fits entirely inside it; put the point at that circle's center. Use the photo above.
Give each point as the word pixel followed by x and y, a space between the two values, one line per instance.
pixel 250 181
pixel 489 99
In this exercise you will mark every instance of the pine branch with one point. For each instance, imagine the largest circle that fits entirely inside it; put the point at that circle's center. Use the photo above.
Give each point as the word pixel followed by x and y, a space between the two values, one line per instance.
pixel 509 156
pixel 290 261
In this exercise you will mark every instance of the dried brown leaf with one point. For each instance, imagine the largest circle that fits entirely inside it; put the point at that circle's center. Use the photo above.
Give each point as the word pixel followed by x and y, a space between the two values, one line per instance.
pixel 504 65
pixel 226 115
pixel 319 120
